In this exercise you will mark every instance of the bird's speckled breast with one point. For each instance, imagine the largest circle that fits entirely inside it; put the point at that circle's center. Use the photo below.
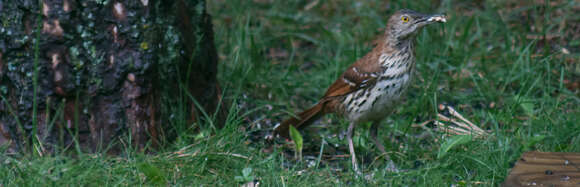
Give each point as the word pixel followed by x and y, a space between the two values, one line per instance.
pixel 377 102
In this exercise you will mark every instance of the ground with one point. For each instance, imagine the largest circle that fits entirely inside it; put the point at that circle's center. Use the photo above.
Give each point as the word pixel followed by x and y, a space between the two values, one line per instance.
pixel 512 68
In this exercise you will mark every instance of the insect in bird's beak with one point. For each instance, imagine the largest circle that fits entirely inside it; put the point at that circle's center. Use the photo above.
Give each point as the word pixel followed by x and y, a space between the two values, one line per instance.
pixel 437 18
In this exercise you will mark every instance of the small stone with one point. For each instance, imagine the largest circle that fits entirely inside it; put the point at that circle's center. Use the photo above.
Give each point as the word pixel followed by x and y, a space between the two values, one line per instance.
pixel 119 11
pixel 131 77
pixel 57 76
pixel 66 6
pixel 565 51
pixel 45 9
pixel 565 178
pixel 111 59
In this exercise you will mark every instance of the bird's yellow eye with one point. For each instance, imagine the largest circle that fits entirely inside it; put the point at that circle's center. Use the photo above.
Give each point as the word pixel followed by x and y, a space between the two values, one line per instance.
pixel 405 19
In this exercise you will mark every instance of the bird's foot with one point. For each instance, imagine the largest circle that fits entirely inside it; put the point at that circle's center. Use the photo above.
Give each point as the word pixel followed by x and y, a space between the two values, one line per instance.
pixel 355 167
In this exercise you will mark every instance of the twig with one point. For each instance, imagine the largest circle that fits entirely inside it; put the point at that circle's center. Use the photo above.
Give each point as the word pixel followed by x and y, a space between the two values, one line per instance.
pixel 234 155
pixel 460 124
pixel 456 114
pixel 311 5
pixel 422 124
pixel 459 127
pixel 450 129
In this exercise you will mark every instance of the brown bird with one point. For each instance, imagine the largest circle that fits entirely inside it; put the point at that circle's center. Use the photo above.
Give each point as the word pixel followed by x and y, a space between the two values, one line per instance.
pixel 371 88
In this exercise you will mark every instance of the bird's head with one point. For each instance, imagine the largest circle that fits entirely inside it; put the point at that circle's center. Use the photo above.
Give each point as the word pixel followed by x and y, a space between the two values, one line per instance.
pixel 406 23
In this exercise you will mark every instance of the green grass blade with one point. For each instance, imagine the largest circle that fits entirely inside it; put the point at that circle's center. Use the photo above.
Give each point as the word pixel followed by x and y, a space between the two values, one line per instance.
pixel 297 138
pixel 451 143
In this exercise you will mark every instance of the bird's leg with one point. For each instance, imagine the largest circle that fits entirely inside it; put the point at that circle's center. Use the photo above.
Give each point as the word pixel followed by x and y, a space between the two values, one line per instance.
pixel 374 130
pixel 349 134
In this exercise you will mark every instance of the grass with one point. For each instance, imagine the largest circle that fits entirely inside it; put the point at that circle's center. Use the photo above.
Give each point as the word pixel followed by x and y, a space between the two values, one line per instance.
pixel 488 61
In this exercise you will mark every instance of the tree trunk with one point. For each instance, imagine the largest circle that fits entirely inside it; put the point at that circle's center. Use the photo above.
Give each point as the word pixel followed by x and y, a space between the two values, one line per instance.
pixel 86 73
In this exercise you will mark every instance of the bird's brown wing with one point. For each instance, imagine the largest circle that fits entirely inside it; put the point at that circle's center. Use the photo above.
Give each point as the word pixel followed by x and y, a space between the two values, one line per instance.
pixel 360 75
pixel 350 81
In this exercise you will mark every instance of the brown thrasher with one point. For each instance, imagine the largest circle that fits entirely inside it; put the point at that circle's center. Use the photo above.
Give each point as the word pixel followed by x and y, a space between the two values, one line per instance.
pixel 370 89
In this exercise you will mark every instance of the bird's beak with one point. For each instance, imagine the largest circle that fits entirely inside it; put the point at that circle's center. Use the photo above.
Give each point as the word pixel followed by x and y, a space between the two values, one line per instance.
pixel 428 19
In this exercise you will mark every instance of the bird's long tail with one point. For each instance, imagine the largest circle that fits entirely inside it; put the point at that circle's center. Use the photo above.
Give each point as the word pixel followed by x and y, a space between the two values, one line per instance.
pixel 302 120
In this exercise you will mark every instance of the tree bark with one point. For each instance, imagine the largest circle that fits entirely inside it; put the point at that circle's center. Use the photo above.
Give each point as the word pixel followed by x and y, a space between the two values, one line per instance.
pixel 104 69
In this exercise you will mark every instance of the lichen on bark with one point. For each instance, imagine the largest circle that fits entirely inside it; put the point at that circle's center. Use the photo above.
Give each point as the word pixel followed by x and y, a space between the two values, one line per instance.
pixel 102 67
